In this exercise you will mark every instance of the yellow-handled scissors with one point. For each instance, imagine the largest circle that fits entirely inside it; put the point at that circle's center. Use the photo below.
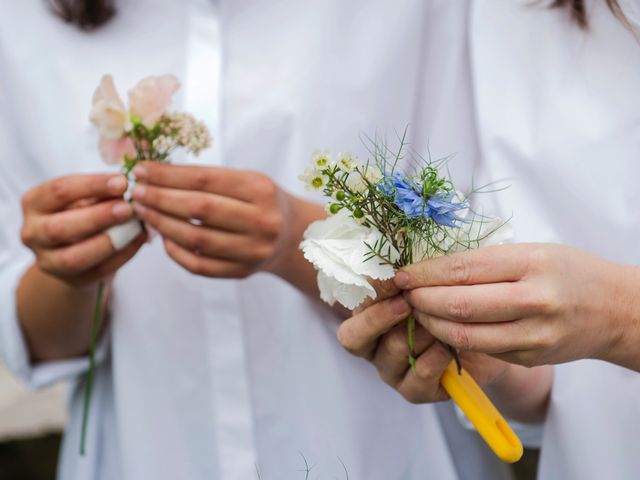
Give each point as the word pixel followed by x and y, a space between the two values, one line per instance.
pixel 490 424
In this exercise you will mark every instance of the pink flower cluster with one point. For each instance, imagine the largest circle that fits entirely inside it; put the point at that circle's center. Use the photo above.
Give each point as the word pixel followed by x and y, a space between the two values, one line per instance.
pixel 130 135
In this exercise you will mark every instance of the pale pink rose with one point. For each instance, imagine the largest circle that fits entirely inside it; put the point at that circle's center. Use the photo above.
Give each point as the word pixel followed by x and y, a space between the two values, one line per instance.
pixel 151 97
pixel 114 151
pixel 108 112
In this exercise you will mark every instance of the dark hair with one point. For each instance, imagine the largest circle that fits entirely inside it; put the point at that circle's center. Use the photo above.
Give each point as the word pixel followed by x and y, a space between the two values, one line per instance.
pixel 579 13
pixel 86 14
pixel 89 14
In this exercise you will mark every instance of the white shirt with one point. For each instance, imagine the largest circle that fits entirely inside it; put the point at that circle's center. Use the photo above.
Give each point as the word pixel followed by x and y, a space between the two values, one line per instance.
pixel 558 112
pixel 213 379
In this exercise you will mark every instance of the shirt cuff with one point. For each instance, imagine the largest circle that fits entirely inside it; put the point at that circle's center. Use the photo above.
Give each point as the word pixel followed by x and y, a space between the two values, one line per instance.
pixel 13 348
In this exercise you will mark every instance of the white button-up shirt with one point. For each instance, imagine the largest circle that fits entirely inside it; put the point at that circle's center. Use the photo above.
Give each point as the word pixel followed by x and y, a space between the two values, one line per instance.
pixel 219 379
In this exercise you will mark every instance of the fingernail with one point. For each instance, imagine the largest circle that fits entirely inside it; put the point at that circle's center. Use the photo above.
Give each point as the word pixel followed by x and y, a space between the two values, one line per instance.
pixel 398 305
pixel 140 172
pixel 121 210
pixel 138 192
pixel 139 209
pixel 401 279
pixel 117 184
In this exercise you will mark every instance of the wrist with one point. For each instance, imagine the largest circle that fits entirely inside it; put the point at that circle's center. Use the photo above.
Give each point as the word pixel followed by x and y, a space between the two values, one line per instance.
pixel 623 318
pixel 289 263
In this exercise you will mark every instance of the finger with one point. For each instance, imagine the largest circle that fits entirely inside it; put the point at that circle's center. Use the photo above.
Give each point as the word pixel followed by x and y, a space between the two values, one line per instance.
pixel 113 263
pixel 495 302
pixel 70 226
pixel 213 210
pixel 504 263
pixel 205 241
pixel 391 356
pixel 58 193
pixel 208 267
pixel 221 181
pixel 487 337
pixel 422 385
pixel 384 289
pixel 360 333
pixel 77 258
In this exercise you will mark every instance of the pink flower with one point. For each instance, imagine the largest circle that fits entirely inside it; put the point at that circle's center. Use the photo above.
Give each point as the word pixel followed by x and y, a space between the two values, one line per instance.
pixel 108 113
pixel 150 98
pixel 115 151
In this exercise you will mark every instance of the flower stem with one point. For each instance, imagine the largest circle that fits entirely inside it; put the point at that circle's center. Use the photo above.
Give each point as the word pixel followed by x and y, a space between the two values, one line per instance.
pixel 88 386
pixel 411 341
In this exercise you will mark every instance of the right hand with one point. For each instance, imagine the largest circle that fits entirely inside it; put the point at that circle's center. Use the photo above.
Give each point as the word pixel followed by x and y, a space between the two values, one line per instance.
pixel 64 225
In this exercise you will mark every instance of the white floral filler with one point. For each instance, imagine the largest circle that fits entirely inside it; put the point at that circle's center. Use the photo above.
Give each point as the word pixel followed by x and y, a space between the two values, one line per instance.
pixel 381 219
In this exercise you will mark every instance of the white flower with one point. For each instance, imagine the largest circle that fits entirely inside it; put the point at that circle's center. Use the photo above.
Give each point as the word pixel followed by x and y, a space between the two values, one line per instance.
pixel 337 248
pixel 314 179
pixel 372 173
pixel 321 160
pixel 346 162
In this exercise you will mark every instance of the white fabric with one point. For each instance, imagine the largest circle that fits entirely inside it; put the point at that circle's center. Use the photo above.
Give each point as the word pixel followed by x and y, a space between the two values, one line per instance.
pixel 211 379
pixel 122 235
pixel 559 116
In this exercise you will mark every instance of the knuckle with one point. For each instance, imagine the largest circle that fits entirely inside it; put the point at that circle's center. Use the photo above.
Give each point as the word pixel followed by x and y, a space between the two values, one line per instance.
pixel 200 181
pixel 26 235
pixel 199 208
pixel 459 308
pixel 59 190
pixel 459 270
pixel 263 186
pixel 540 258
pixel 395 344
pixel 459 338
pixel 53 231
pixel 196 239
pixel 264 253
pixel 345 338
pixel 425 371
pixel 26 200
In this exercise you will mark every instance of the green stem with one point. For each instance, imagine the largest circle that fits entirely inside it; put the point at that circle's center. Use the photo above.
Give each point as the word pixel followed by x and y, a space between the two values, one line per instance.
pixel 411 341
pixel 88 386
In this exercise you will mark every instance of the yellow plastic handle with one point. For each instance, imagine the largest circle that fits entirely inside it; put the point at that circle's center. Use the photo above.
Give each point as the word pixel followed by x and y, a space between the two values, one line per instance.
pixel 490 424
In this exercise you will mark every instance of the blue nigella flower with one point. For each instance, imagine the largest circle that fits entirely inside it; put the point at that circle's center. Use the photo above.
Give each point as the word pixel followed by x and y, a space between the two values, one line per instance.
pixel 408 197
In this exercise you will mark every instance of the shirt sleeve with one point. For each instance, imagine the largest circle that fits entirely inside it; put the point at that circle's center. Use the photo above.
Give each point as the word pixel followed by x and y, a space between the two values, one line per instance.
pixel 18 174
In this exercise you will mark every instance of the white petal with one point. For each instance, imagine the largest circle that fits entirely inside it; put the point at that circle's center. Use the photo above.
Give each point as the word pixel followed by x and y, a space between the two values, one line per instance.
pixel 350 296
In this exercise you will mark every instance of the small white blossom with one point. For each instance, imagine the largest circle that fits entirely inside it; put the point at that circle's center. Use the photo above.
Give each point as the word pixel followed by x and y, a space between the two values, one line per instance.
pixel 321 160
pixel 346 162
pixel 314 180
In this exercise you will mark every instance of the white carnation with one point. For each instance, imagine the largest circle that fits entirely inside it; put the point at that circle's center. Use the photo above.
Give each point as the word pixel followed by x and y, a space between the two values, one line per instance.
pixel 337 248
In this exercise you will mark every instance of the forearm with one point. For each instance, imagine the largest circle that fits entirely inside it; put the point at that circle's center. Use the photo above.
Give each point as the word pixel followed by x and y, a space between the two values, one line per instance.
pixel 523 393
pixel 55 317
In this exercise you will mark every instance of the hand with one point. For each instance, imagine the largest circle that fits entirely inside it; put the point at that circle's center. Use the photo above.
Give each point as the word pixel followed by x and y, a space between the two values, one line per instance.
pixel 529 304
pixel 64 224
pixel 216 222
pixel 378 333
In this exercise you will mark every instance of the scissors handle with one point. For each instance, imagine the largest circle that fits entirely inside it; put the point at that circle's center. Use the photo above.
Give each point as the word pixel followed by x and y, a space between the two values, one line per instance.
pixel 489 423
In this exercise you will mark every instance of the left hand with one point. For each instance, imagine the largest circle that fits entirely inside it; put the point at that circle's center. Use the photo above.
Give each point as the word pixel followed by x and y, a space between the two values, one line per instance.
pixel 377 332
pixel 529 304
pixel 215 222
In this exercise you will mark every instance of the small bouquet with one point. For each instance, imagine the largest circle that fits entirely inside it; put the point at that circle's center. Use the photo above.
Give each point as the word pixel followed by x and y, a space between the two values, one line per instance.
pixel 144 131
pixel 382 218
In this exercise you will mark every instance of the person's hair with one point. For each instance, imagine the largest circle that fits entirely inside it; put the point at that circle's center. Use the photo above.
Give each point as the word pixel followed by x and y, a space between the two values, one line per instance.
pixel 89 14
pixel 86 14
pixel 579 14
